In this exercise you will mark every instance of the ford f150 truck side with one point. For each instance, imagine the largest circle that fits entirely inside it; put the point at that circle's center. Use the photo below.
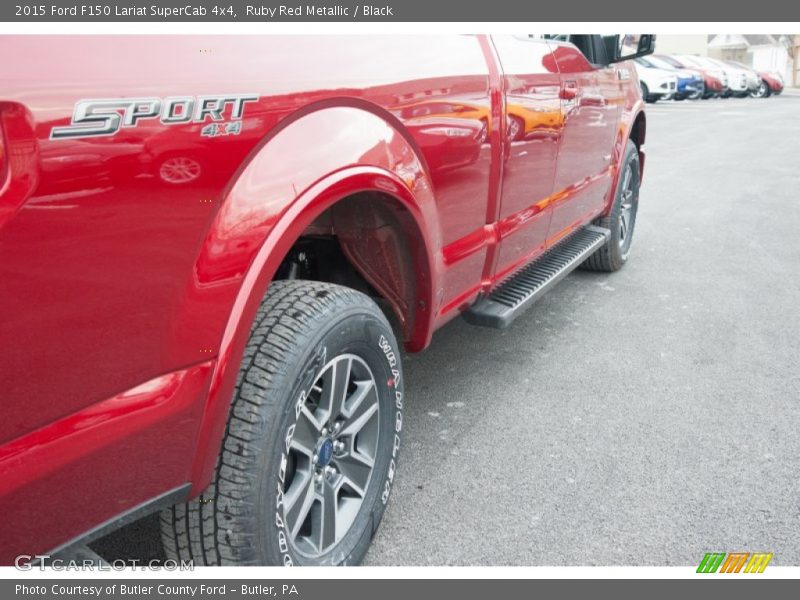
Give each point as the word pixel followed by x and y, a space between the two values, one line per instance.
pixel 203 241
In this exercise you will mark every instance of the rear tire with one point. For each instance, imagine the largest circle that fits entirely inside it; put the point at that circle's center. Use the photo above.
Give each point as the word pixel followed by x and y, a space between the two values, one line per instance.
pixel 310 448
pixel 613 255
pixel 646 94
pixel 516 128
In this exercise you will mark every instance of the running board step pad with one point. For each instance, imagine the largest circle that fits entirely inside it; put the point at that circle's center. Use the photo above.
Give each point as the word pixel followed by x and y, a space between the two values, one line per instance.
pixel 512 297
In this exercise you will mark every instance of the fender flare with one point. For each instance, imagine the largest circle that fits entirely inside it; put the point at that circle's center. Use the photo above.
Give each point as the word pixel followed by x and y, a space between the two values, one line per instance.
pixel 619 149
pixel 410 189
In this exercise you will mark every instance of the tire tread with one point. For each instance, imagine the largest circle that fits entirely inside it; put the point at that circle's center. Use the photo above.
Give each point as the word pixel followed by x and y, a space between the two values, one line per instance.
pixel 607 258
pixel 212 529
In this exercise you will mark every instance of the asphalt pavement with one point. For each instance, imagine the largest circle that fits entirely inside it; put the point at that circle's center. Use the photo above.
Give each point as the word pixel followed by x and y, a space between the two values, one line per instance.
pixel 644 417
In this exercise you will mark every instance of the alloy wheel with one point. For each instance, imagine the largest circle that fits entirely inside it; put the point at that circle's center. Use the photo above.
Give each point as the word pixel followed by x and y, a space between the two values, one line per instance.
pixel 760 92
pixel 331 457
pixel 627 215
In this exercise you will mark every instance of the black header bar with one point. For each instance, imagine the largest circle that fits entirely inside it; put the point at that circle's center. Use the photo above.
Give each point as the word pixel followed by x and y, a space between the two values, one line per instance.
pixel 459 11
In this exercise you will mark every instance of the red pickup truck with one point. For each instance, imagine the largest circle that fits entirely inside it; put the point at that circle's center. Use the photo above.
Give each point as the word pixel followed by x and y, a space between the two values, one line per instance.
pixel 203 241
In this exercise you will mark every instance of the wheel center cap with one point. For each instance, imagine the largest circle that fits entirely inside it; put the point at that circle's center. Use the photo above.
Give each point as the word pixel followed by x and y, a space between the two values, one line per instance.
pixel 325 452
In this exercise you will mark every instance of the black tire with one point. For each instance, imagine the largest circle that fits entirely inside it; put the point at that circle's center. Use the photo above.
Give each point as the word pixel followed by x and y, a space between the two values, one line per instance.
pixel 613 255
pixel 762 91
pixel 301 328
pixel 646 94
pixel 516 128
pixel 699 93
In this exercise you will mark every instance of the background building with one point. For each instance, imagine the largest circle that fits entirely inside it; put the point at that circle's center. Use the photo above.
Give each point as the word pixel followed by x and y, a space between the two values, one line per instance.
pixel 766 52
pixel 682 44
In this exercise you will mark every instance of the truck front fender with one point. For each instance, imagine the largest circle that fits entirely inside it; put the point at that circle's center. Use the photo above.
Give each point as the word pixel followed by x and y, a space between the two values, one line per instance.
pixel 632 126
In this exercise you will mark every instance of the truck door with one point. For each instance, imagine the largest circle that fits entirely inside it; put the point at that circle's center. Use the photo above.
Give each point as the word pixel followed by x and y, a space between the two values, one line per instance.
pixel 590 103
pixel 533 129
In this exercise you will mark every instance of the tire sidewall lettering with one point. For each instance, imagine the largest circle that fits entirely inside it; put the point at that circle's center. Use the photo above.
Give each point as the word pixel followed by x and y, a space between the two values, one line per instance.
pixel 391 358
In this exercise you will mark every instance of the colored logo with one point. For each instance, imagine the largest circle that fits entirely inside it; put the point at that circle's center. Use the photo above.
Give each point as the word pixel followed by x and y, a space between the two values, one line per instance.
pixel 325 452
pixel 734 562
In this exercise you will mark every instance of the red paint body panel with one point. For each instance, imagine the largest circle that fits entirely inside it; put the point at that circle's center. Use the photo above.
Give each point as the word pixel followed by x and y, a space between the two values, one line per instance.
pixel 774 83
pixel 127 256
pixel 67 477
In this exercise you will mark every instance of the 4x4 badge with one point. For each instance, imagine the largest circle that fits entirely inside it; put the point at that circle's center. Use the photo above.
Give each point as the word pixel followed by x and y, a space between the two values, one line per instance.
pixel 92 118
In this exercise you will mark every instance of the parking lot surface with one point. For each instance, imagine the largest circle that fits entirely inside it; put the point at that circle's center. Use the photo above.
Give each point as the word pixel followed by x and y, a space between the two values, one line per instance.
pixel 639 418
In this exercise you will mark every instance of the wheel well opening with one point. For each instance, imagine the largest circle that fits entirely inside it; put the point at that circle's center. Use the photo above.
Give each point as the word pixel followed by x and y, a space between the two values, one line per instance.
pixel 638 130
pixel 368 242
pixel 317 256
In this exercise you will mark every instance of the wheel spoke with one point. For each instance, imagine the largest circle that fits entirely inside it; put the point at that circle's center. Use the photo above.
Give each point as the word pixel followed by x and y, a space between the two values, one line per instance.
pixel 626 179
pixel 361 413
pixel 327 516
pixel 306 433
pixel 298 501
pixel 362 396
pixel 355 469
pixel 627 200
pixel 335 384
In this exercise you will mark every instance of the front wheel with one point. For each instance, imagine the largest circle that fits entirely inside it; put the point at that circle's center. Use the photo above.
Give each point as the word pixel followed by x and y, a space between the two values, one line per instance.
pixel 310 449
pixel 700 92
pixel 762 91
pixel 613 255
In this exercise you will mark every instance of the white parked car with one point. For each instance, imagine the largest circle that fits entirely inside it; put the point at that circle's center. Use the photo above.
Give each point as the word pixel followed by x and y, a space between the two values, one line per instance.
pixel 753 78
pixel 737 78
pixel 690 83
pixel 711 69
pixel 655 83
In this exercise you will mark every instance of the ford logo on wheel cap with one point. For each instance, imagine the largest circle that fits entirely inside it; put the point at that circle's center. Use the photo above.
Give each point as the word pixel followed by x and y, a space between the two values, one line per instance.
pixel 325 452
